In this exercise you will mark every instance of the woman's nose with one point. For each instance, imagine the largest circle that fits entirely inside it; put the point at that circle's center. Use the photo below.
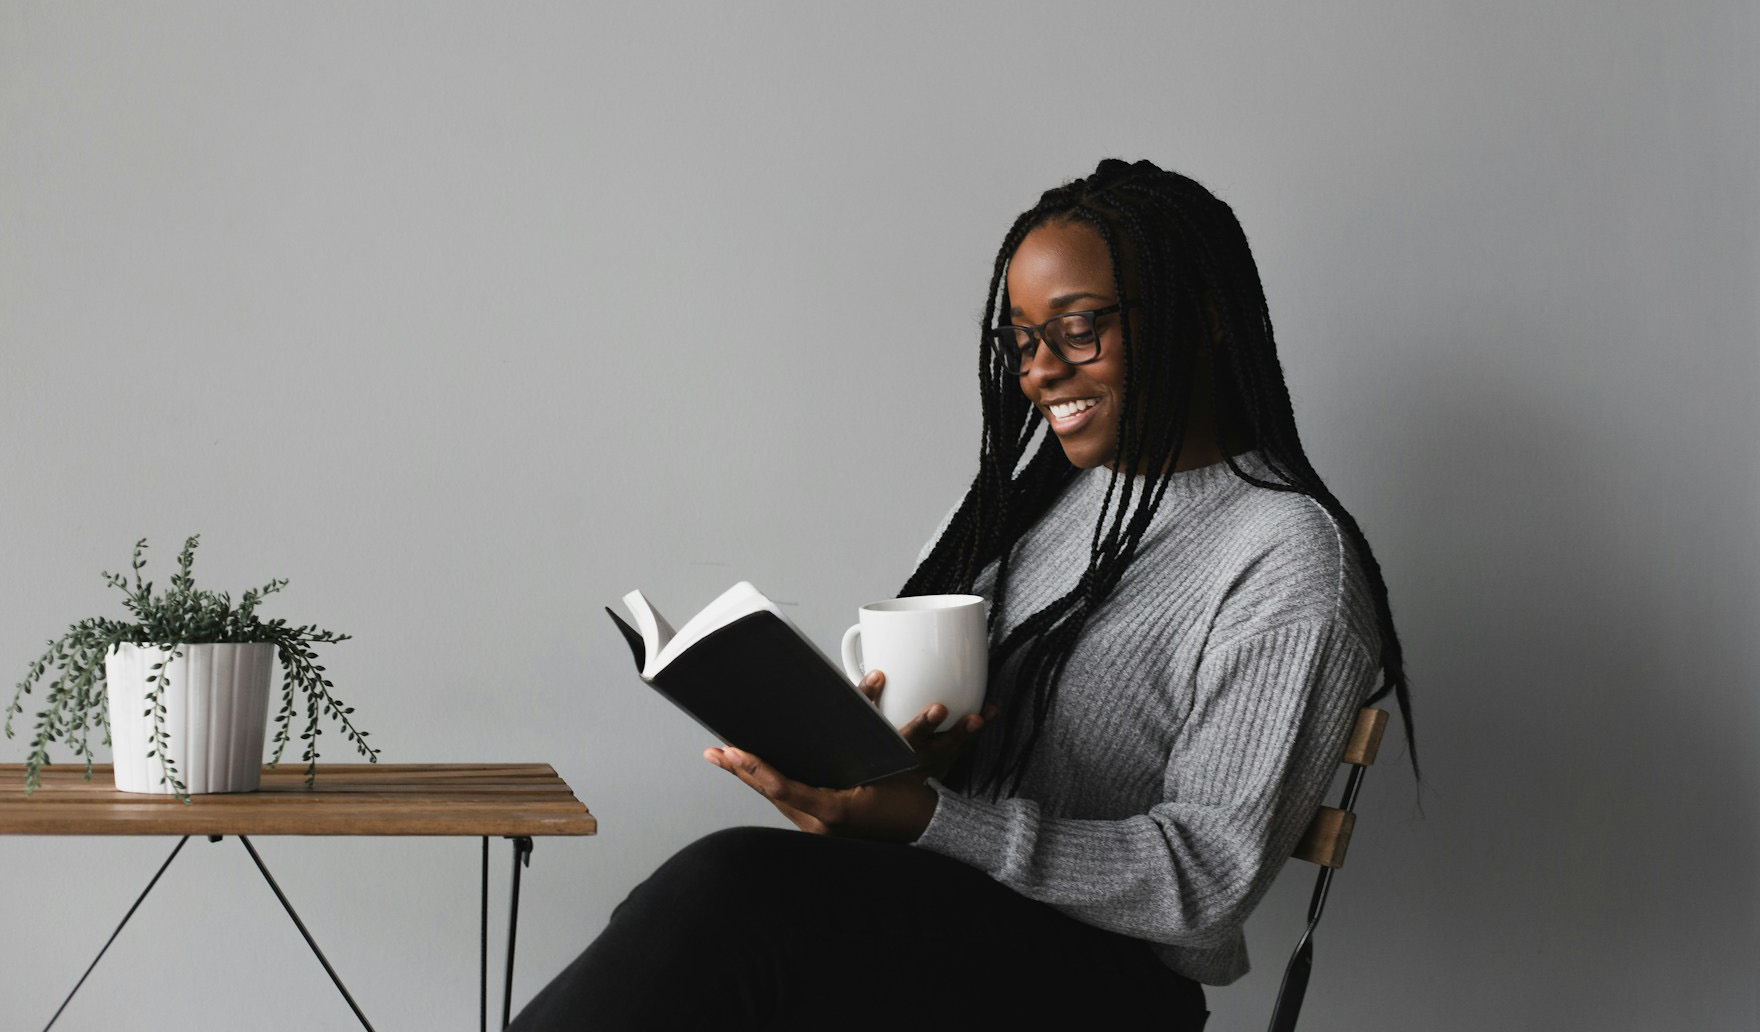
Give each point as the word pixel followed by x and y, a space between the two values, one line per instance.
pixel 1045 365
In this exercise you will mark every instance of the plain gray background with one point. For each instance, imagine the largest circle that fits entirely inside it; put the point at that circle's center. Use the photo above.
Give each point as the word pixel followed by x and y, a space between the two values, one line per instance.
pixel 470 318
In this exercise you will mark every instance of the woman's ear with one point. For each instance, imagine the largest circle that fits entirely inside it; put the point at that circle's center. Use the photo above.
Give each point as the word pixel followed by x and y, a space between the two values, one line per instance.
pixel 1213 320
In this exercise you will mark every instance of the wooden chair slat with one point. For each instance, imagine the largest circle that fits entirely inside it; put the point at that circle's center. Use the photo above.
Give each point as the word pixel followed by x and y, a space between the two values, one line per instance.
pixel 1327 837
pixel 1365 739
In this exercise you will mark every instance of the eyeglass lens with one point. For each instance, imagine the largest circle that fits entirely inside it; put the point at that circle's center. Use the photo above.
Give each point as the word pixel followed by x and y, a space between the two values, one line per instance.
pixel 1071 337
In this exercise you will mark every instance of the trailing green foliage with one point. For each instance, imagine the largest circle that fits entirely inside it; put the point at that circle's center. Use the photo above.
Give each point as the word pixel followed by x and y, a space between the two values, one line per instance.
pixel 76 702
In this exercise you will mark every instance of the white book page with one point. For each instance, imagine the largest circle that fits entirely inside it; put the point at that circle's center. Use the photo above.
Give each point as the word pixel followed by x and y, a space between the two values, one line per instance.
pixel 654 629
pixel 738 601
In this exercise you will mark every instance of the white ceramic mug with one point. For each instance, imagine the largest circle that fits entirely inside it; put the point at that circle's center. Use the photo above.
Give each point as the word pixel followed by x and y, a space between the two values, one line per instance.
pixel 932 648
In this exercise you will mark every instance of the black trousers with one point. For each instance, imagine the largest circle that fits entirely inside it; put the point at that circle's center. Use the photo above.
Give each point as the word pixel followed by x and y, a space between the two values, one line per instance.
pixel 760 928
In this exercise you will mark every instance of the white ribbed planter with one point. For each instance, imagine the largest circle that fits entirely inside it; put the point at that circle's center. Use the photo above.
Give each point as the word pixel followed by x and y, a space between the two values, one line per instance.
pixel 216 713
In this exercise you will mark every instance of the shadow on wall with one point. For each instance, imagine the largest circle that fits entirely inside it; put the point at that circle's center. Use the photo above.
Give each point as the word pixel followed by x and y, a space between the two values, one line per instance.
pixel 1570 585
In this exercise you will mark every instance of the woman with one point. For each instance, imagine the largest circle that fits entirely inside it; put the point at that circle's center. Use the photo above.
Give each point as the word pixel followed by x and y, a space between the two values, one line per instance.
pixel 1184 621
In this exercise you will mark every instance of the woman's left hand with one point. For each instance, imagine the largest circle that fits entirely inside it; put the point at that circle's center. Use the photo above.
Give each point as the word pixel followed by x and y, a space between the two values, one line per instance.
pixel 897 808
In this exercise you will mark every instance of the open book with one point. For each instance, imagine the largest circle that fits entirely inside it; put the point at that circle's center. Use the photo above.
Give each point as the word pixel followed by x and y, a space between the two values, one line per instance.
pixel 744 671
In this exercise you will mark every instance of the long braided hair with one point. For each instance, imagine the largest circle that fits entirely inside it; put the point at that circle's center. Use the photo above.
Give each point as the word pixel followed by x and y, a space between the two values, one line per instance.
pixel 1200 305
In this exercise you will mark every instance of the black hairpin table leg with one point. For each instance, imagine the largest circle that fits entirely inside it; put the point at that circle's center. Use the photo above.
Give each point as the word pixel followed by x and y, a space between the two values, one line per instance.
pixel 483 948
pixel 113 935
pixel 301 925
pixel 522 857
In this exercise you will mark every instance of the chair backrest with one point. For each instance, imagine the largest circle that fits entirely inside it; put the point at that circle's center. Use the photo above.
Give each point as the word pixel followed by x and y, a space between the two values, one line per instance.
pixel 1324 843
pixel 1329 833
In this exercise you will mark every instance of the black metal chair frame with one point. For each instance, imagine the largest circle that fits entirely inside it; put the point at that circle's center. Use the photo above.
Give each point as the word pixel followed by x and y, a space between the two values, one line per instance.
pixel 1301 963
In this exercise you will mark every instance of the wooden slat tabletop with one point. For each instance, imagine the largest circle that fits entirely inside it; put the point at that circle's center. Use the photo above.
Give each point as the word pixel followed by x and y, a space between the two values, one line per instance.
pixel 495 799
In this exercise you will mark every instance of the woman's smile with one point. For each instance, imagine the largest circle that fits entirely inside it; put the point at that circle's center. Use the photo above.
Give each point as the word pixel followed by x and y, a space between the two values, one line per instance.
pixel 1069 416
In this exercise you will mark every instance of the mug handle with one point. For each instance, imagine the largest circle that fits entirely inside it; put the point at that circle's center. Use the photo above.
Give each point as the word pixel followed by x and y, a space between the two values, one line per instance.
pixel 852 668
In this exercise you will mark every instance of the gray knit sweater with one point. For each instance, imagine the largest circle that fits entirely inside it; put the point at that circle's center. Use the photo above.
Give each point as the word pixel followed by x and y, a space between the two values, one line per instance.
pixel 1198 722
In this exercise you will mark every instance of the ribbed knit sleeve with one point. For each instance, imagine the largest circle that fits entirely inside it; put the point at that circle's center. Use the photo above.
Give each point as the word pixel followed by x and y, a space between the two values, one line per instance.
pixel 1199 720
pixel 1247 773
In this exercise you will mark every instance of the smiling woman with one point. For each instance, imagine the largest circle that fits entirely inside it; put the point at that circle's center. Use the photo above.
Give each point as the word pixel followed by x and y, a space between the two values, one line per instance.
pixel 1061 273
pixel 1183 623
pixel 1061 278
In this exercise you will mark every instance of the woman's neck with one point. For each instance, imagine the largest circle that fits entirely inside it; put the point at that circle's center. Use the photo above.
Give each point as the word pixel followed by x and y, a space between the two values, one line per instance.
pixel 1198 451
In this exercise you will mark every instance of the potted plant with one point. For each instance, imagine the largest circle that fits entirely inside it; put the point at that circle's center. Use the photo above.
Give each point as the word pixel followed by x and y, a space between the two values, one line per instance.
pixel 181 691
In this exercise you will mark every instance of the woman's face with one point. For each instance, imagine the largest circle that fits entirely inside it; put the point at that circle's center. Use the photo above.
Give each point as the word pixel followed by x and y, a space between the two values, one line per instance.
pixel 1063 267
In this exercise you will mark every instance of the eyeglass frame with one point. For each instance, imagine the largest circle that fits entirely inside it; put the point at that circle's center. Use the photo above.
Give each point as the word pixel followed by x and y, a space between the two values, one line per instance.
pixel 1037 333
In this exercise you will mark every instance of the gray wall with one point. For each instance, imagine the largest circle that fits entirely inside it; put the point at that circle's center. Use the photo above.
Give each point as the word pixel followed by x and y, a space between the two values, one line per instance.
pixel 470 319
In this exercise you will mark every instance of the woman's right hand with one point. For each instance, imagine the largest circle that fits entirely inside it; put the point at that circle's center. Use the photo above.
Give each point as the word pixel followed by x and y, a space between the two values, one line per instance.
pixel 936 750
pixel 895 808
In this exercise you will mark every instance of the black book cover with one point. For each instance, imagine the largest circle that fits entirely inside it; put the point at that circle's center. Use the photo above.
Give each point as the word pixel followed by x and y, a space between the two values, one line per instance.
pixel 759 687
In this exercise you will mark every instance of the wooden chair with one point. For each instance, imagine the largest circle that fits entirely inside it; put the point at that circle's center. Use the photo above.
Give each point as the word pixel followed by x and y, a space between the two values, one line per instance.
pixel 1324 843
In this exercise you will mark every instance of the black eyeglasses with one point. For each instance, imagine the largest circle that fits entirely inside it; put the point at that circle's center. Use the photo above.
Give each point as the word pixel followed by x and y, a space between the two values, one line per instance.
pixel 1074 337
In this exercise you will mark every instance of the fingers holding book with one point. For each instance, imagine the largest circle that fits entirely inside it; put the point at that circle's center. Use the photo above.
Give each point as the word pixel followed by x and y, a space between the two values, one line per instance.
pixel 938 750
pixel 896 808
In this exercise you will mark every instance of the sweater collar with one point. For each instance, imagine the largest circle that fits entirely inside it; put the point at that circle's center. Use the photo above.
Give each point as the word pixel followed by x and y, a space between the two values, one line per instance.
pixel 1192 484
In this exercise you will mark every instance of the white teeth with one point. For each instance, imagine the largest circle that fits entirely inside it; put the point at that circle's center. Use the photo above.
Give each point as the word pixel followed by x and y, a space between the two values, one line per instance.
pixel 1068 409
